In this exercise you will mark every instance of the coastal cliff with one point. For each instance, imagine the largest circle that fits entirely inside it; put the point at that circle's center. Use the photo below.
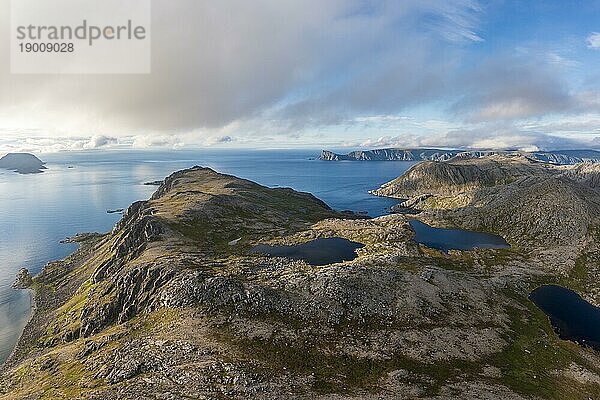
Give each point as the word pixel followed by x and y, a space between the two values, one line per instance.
pixel 558 157
pixel 172 303
pixel 390 155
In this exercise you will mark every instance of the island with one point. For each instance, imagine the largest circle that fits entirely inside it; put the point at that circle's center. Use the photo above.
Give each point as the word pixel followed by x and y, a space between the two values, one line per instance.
pixel 191 295
pixel 559 157
pixel 22 163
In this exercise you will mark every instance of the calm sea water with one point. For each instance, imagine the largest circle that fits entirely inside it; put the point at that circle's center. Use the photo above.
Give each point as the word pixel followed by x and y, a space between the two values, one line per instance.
pixel 37 211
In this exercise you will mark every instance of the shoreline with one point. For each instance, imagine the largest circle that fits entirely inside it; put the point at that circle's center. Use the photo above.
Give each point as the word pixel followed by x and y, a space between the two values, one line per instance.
pixel 32 312
pixel 43 302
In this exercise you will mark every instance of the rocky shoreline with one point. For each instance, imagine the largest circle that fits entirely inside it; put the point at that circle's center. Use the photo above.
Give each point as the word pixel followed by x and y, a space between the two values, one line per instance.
pixel 44 301
pixel 6 363
pixel 24 280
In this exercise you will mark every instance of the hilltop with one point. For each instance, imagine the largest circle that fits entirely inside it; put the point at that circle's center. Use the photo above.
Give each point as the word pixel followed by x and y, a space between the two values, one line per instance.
pixel 524 200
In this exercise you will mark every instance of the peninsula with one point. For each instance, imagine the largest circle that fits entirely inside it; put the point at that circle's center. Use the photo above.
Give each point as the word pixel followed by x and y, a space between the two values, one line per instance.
pixel 174 302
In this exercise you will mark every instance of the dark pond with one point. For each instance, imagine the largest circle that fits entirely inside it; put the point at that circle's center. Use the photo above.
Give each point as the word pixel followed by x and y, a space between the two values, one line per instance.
pixel 572 317
pixel 455 239
pixel 315 252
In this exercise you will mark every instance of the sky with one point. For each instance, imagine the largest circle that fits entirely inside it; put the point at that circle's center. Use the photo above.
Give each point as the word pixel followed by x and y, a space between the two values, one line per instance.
pixel 337 74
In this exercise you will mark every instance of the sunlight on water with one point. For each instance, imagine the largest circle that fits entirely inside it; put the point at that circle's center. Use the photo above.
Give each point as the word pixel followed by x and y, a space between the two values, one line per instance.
pixel 37 211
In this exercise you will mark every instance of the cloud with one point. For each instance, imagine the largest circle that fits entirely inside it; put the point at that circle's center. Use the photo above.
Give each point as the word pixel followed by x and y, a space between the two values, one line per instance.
pixel 49 144
pixel 498 138
pixel 219 140
pixel 37 142
pixel 512 87
pixel 235 73
pixel 593 41
pixel 557 59
pixel 218 62
pixel 157 141
pixel 585 124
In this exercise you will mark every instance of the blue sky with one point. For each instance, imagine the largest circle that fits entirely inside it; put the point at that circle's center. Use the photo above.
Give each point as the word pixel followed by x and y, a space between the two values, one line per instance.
pixel 339 73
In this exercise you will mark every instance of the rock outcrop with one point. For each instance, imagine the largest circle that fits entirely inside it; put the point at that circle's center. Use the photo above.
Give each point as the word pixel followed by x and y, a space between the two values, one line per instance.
pixel 24 279
pixel 390 155
pixel 524 200
pixel 457 176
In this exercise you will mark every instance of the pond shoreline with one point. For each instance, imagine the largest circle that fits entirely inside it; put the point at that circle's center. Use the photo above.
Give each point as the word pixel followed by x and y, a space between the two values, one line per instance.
pixel 446 239
pixel 572 317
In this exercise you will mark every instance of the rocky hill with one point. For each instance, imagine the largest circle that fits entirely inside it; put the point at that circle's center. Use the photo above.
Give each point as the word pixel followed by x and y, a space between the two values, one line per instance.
pixel 558 157
pixel 459 175
pixel 524 200
pixel 23 163
pixel 173 304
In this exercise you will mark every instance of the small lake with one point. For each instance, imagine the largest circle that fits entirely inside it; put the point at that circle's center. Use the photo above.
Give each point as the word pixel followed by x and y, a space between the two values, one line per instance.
pixel 572 317
pixel 316 252
pixel 455 239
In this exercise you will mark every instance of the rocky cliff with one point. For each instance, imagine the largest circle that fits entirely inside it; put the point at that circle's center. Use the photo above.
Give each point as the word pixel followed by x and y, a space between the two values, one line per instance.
pixel 173 304
pixel 390 155
pixel 558 157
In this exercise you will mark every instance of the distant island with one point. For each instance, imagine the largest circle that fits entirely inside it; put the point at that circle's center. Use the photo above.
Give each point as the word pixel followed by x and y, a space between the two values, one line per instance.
pixel 22 163
pixel 558 157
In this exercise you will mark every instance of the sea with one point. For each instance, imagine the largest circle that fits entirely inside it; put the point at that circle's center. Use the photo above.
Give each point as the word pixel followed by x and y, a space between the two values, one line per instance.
pixel 74 194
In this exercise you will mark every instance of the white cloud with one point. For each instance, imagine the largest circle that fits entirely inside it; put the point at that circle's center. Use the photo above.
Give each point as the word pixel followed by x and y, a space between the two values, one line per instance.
pixel 574 125
pixel 557 59
pixel 593 41
pixel 301 72
pixel 99 141
pixel 512 87
pixel 495 138
pixel 218 63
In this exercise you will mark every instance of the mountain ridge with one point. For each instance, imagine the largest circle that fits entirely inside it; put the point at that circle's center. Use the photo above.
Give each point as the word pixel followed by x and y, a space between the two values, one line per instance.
pixel 559 157
pixel 494 192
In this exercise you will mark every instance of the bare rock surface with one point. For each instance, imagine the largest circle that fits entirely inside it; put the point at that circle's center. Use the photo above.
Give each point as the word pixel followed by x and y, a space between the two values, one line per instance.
pixel 24 279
